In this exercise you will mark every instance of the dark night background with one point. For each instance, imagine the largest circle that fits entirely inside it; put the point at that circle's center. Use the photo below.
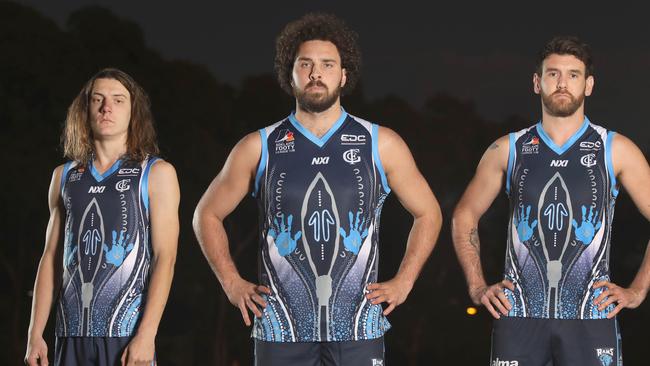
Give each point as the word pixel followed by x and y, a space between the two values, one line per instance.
pixel 449 78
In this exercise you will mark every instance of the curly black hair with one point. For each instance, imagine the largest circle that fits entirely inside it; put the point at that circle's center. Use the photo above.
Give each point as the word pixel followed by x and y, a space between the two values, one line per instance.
pixel 317 26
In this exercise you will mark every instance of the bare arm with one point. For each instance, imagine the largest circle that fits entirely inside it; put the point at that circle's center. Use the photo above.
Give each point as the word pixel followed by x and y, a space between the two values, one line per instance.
pixel 47 277
pixel 164 196
pixel 479 195
pixel 632 171
pixel 414 194
pixel 222 196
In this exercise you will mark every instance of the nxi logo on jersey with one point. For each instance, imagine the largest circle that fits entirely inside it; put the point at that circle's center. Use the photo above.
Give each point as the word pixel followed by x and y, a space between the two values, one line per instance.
pixel 559 163
pixel 320 160
pixel 96 189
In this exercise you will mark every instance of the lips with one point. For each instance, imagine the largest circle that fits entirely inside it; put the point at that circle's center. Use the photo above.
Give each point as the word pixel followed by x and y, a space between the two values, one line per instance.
pixel 317 84
pixel 562 94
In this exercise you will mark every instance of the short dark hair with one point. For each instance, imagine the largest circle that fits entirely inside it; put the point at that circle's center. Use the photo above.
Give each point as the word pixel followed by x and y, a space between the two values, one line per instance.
pixel 323 27
pixel 567 45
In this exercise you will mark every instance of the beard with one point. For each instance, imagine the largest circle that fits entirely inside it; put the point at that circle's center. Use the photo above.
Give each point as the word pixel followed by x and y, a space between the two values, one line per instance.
pixel 562 108
pixel 316 102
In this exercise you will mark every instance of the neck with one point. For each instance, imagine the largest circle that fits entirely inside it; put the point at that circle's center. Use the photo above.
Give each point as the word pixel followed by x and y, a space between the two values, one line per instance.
pixel 319 123
pixel 109 150
pixel 560 129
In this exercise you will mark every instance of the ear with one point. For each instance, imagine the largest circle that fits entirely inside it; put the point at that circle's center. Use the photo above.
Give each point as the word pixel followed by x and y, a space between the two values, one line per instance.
pixel 344 77
pixel 589 87
pixel 537 87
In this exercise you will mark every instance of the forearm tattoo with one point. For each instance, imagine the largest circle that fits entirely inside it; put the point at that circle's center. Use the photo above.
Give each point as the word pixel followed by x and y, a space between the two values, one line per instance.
pixel 473 238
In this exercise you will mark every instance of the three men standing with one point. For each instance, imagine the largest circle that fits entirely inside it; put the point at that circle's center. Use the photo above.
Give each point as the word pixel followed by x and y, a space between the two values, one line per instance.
pixel 320 177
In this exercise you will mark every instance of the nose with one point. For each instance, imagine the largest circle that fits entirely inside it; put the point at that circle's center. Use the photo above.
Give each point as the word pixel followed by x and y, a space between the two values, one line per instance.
pixel 106 106
pixel 315 73
pixel 562 82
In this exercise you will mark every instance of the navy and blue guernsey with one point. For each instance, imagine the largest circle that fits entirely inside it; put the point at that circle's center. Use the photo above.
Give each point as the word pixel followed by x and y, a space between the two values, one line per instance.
pixel 107 250
pixel 320 200
pixel 561 209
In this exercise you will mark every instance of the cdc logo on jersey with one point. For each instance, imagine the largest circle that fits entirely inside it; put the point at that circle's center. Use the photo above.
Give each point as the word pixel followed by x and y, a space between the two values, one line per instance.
pixel 353 139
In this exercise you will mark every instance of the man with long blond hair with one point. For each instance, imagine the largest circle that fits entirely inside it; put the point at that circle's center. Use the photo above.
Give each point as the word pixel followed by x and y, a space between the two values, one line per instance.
pixel 111 240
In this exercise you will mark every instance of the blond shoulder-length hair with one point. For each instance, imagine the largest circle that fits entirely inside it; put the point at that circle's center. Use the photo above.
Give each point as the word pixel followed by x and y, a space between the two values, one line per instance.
pixel 77 137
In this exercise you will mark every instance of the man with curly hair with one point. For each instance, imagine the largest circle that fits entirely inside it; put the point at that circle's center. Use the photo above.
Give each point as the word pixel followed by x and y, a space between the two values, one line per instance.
pixel 320 177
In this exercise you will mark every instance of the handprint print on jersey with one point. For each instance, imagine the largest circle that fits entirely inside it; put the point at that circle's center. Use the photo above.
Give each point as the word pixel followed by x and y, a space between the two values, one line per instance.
pixel 354 239
pixel 524 230
pixel 281 235
pixel 588 227
pixel 119 249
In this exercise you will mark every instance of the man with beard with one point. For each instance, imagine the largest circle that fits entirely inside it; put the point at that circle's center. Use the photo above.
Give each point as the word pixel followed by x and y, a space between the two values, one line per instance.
pixel 320 177
pixel 562 175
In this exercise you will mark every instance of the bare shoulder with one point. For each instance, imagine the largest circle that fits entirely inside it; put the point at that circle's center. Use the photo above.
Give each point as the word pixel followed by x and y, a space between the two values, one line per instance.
pixel 501 144
pixel 496 155
pixel 625 153
pixel 246 153
pixel 54 193
pixel 57 172
pixel 162 170
pixel 249 144
pixel 623 144
pixel 393 151
pixel 57 175
pixel 388 138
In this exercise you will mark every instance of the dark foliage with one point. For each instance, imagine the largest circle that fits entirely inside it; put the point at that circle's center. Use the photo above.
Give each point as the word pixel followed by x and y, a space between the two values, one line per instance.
pixel 199 119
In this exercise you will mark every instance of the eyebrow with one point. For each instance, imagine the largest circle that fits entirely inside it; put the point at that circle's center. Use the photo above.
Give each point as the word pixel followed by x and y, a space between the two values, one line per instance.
pixel 113 95
pixel 303 58
pixel 570 70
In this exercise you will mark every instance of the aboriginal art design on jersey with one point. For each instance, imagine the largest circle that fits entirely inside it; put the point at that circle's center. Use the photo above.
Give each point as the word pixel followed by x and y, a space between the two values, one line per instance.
pixel 107 251
pixel 320 201
pixel 561 209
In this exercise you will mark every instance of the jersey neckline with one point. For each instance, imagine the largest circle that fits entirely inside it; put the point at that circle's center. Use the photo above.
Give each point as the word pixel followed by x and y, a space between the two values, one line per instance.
pixel 313 138
pixel 100 177
pixel 562 149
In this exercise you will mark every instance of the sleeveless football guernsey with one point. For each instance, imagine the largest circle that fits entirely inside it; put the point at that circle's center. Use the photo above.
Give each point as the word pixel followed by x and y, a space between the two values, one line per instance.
pixel 561 209
pixel 107 250
pixel 320 201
